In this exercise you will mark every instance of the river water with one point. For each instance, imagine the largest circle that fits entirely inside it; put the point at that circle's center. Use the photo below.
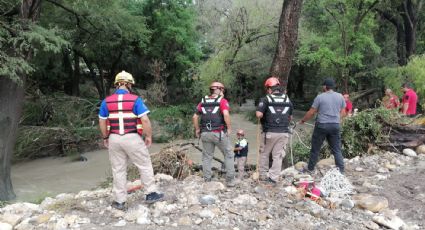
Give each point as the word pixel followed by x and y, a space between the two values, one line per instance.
pixel 34 180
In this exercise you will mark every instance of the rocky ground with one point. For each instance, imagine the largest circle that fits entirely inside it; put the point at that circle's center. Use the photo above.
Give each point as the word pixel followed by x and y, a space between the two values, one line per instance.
pixel 389 192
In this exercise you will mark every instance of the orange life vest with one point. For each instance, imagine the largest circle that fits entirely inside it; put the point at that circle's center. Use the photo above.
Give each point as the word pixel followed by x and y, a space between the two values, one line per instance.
pixel 121 119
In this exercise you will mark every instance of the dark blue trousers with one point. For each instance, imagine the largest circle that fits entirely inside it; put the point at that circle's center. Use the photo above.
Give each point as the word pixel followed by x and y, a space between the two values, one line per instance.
pixel 332 133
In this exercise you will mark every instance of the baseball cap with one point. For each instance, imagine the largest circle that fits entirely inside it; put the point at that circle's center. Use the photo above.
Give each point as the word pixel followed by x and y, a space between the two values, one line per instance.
pixel 329 82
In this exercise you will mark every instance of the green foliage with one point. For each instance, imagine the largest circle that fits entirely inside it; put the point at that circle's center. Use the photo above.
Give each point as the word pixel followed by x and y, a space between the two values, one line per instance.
pixel 364 130
pixel 175 120
pixel 173 37
pixel 18 41
pixel 337 36
pixel 3 203
pixel 240 37
pixel 56 125
pixel 413 72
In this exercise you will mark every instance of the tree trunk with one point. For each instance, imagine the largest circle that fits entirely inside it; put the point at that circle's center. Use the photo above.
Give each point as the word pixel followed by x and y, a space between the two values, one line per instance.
pixel 76 76
pixel 11 102
pixel 11 98
pixel 288 35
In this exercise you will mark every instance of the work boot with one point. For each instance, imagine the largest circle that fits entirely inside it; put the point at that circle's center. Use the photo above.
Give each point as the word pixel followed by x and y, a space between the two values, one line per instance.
pixel 231 183
pixel 271 182
pixel 154 197
pixel 119 206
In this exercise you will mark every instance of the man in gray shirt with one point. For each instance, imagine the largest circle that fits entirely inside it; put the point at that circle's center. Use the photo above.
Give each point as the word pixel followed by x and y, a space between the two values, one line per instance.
pixel 330 108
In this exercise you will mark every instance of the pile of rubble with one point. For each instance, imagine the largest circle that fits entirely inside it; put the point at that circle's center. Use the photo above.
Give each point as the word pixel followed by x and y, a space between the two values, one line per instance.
pixel 194 204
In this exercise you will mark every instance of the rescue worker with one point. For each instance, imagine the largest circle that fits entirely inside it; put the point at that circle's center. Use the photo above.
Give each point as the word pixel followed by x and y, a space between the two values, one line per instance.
pixel 348 105
pixel 123 118
pixel 390 100
pixel 214 130
pixel 275 112
pixel 330 109
pixel 241 153
pixel 410 98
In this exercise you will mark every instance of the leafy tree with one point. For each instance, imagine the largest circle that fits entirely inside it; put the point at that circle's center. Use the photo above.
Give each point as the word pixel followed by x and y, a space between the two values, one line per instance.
pixel 241 36
pixel 337 36
pixel 174 40
pixel 406 17
pixel 20 39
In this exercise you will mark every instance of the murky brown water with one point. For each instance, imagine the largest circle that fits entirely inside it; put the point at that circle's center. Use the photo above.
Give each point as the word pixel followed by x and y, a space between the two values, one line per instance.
pixel 50 176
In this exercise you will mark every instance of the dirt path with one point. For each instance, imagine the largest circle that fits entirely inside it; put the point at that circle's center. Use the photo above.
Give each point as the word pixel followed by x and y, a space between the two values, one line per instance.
pixel 50 176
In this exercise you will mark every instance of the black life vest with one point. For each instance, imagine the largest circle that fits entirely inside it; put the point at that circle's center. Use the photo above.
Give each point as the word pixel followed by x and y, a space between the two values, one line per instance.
pixel 211 117
pixel 276 118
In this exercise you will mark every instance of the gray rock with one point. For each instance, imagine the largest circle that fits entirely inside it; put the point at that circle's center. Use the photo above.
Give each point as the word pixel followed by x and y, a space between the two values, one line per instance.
pixel 245 199
pixel 347 204
pixel 207 214
pixel 213 186
pixel 207 200
pixel 5 226
pixel 185 221
pixel 389 220
pixel 120 223
pixel 382 170
pixel 371 225
pixel 410 152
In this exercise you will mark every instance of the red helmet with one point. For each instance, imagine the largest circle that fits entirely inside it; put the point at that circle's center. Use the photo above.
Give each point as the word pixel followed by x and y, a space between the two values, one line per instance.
pixel 217 84
pixel 240 132
pixel 271 81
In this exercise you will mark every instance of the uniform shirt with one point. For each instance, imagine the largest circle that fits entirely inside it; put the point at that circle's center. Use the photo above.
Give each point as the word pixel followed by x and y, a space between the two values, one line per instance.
pixel 139 107
pixel 393 102
pixel 243 143
pixel 348 106
pixel 328 105
pixel 411 99
pixel 224 105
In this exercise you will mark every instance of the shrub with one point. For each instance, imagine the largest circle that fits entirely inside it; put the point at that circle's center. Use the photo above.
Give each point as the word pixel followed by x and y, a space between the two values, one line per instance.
pixel 176 121
pixel 362 131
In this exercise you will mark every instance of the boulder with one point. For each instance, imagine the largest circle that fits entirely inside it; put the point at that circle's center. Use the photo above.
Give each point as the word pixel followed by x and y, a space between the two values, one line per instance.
pixel 389 220
pixel 420 149
pixel 5 226
pixel 213 186
pixel 370 202
pixel 328 162
pixel 410 152
pixel 207 200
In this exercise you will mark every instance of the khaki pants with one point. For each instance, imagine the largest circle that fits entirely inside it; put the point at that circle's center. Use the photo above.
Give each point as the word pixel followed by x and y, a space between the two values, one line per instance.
pixel 241 161
pixel 275 144
pixel 209 141
pixel 129 146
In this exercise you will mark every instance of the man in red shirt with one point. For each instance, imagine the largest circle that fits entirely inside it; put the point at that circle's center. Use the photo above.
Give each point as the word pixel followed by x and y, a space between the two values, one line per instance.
pixel 348 105
pixel 409 100
pixel 214 130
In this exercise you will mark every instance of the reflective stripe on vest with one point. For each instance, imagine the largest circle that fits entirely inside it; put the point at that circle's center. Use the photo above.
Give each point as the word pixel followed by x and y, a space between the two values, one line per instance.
pixel 121 119
pixel 278 100
pixel 211 118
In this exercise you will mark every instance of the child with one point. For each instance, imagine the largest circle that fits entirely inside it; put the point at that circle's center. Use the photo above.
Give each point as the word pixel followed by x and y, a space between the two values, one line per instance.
pixel 241 153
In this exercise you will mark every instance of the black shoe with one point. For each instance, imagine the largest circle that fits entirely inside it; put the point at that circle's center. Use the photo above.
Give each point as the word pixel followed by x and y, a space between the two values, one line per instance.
pixel 154 197
pixel 119 206
pixel 271 182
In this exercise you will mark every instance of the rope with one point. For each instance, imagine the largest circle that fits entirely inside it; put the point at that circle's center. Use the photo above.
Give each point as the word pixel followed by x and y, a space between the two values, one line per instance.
pixel 258 147
pixel 336 185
